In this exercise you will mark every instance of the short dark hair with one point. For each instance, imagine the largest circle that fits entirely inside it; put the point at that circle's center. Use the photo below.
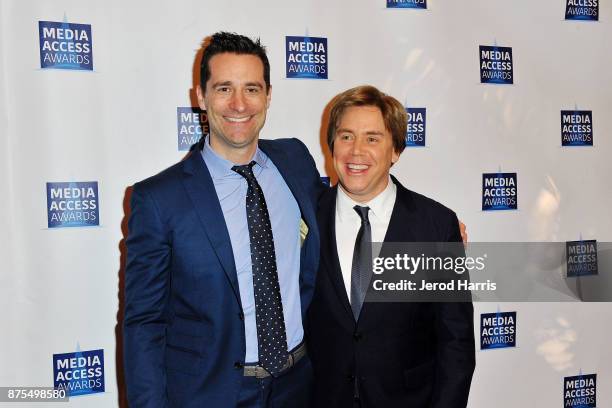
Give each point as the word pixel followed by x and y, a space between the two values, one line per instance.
pixel 393 113
pixel 222 42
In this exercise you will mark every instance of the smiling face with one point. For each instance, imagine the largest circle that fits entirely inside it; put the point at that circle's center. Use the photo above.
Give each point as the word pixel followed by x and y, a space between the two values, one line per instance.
pixel 236 101
pixel 363 152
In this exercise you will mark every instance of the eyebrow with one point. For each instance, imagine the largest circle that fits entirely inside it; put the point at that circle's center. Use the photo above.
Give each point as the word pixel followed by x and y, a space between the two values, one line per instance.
pixel 340 130
pixel 222 83
pixel 369 132
pixel 229 83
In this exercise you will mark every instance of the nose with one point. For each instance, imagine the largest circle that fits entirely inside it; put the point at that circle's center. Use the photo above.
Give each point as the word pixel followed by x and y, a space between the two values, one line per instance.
pixel 357 146
pixel 237 102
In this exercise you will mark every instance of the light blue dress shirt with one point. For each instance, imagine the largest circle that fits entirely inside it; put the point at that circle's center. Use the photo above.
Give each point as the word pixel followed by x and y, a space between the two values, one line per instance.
pixel 285 217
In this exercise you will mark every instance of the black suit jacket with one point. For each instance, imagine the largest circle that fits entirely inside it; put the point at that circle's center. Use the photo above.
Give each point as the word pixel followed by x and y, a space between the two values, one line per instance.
pixel 413 355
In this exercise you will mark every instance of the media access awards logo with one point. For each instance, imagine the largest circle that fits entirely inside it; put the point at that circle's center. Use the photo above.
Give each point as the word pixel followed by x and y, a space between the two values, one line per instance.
pixel 499 191
pixel 581 257
pixel 415 131
pixel 192 124
pixel 580 391
pixel 415 4
pixel 497 330
pixel 65 45
pixel 576 128
pixel 582 10
pixel 79 373
pixel 306 57
pixel 496 65
pixel 73 204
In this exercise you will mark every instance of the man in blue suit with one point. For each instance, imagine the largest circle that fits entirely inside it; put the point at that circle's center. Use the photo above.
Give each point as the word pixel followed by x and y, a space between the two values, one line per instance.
pixel 221 254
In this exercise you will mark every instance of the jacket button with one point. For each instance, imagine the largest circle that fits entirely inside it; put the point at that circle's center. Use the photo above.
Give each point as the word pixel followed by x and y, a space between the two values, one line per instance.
pixel 357 336
pixel 238 364
pixel 350 377
pixel 241 316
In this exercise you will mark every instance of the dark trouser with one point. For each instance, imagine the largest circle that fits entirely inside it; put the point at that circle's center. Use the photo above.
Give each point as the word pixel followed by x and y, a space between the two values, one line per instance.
pixel 292 388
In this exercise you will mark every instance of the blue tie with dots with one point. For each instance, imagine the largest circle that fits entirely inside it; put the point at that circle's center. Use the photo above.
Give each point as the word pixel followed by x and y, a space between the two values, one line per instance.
pixel 271 334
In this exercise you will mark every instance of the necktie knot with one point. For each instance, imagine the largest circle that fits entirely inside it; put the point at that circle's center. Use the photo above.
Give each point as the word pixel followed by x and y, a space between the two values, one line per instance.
pixel 245 170
pixel 363 213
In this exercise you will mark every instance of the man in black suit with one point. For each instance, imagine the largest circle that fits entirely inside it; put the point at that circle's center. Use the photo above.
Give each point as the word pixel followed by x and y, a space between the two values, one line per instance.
pixel 368 354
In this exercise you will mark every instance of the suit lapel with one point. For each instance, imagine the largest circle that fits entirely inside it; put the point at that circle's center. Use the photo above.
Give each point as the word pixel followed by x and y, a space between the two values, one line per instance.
pixel 401 226
pixel 309 253
pixel 329 249
pixel 403 217
pixel 283 164
pixel 201 190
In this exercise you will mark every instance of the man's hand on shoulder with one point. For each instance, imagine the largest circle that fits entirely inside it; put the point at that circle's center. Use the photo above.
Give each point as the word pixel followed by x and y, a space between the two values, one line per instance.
pixel 463 231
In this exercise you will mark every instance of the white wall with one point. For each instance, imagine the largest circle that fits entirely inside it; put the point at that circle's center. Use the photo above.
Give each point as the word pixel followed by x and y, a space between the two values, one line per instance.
pixel 117 125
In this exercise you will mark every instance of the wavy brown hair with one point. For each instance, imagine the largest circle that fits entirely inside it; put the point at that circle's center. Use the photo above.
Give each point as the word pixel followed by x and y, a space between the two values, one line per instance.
pixel 393 113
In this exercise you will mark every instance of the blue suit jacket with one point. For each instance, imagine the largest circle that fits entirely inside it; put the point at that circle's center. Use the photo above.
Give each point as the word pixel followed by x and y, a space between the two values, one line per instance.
pixel 184 339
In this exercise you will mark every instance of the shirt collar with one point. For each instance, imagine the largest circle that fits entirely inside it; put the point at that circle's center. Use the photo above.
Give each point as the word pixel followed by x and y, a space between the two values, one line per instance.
pixel 381 206
pixel 219 167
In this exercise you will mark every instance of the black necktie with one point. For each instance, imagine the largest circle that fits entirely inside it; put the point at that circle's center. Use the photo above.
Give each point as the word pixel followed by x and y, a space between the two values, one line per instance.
pixel 361 270
pixel 271 335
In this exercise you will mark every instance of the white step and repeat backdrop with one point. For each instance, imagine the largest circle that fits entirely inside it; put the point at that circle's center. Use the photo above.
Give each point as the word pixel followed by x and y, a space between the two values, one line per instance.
pixel 91 95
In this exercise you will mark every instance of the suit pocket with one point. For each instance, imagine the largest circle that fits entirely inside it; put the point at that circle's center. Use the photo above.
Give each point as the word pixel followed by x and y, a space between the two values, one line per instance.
pixel 184 352
pixel 416 377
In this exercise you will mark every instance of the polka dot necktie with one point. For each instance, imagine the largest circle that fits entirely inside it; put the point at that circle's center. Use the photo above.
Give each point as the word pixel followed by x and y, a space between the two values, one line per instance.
pixel 271 334
pixel 361 269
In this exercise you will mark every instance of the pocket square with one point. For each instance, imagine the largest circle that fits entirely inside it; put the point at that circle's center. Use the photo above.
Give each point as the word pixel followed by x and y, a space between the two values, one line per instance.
pixel 303 231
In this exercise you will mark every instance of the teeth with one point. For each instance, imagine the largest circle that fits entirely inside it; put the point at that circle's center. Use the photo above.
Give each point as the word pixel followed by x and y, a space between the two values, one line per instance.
pixel 357 166
pixel 237 120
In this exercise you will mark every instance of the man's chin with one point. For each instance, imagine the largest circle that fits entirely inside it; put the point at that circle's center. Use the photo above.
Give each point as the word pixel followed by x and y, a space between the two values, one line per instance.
pixel 353 189
pixel 240 142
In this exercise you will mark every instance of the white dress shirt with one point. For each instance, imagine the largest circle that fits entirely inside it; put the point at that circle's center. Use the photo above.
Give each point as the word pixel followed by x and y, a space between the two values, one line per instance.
pixel 348 223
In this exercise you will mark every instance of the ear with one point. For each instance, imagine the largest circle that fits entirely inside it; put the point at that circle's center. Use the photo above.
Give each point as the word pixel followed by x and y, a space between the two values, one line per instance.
pixel 200 95
pixel 394 156
pixel 269 97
